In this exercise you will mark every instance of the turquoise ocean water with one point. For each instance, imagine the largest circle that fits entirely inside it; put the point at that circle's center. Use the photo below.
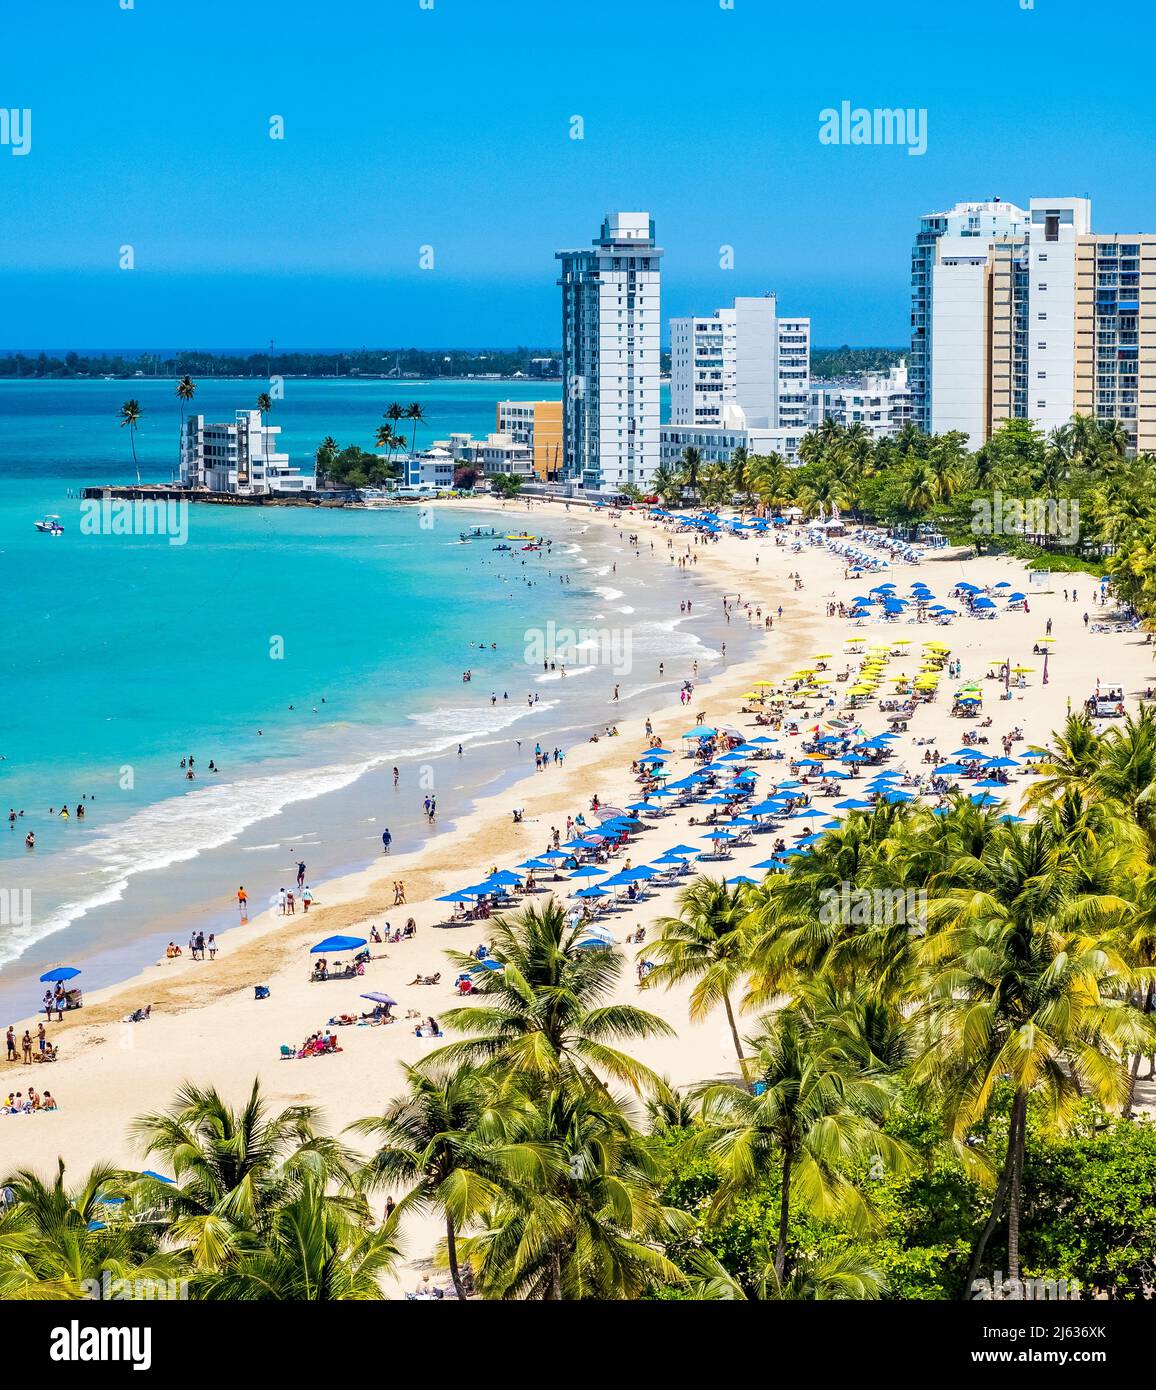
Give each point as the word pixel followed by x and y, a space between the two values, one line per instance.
pixel 122 654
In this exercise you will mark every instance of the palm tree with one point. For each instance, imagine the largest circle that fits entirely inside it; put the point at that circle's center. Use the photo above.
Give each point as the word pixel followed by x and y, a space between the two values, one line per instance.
pixel 690 463
pixel 579 1214
pixel 186 390
pixel 327 452
pixel 664 483
pixel 1021 979
pixel 233 1167
pixel 312 1250
pixel 815 1110
pixel 57 1243
pixel 770 479
pixel 433 1138
pixel 414 413
pixel 703 943
pixel 811 1279
pixel 541 1016
pixel 130 415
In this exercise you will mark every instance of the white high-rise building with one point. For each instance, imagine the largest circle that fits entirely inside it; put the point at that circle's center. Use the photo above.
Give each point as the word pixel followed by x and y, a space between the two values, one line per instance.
pixel 239 456
pixel 957 342
pixel 1056 225
pixel 1039 318
pixel 611 355
pixel 742 366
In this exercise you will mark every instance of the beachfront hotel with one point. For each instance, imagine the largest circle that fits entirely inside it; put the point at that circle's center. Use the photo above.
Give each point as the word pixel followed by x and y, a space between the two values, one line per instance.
pixel 611 330
pixel 1032 315
pixel 238 456
pixel 742 364
pixel 538 425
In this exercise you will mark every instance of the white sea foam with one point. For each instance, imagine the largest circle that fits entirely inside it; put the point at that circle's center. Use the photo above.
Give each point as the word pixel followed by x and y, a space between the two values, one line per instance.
pixel 183 827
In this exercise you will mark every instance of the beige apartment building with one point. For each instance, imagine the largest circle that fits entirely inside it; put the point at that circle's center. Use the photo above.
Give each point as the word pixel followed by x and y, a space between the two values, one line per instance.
pixel 1044 321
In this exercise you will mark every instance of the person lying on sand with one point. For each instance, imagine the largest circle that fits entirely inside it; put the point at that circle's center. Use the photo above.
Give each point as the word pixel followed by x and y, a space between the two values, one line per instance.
pixel 426 979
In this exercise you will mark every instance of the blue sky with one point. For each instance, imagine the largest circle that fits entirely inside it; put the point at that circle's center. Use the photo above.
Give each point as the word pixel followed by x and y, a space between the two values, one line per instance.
pixel 450 127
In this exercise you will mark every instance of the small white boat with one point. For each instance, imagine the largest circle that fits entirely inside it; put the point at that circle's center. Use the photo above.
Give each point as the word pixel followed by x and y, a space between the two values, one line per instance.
pixel 51 525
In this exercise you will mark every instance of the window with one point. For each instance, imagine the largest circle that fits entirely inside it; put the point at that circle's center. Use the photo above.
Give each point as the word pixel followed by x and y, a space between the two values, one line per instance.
pixel 1052 227
pixel 1043 288
pixel 1041 316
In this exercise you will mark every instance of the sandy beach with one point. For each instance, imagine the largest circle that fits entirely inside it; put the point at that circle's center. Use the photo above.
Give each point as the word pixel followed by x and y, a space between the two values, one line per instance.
pixel 206 1026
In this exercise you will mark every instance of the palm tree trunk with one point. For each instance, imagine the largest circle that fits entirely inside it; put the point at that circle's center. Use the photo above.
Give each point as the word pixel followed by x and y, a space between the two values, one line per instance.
pixel 452 1254
pixel 1001 1192
pixel 1015 1187
pixel 554 1293
pixel 735 1035
pixel 132 441
pixel 784 1215
pixel 1135 1071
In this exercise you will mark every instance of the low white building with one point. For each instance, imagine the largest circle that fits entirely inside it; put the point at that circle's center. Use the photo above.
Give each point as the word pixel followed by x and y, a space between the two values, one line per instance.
pixel 497 453
pixel 880 401
pixel 238 456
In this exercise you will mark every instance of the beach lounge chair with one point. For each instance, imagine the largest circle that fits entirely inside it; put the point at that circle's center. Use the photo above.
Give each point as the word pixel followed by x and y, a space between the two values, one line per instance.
pixel 287 1053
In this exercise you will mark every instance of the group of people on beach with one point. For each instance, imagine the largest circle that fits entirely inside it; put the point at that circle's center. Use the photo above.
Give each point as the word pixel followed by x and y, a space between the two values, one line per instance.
pixel 31 1049
pixel 17 1103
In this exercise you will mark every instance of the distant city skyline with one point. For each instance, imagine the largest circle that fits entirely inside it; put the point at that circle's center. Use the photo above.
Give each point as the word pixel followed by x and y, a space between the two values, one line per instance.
pixel 451 129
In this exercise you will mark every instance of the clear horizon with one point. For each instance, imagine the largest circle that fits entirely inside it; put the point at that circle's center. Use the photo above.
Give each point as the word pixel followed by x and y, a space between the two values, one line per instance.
pixel 407 127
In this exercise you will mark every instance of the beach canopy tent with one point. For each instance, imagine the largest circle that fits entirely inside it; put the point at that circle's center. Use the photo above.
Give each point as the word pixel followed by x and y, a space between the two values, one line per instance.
pixel 59 972
pixel 701 732
pixel 337 943
pixel 377 998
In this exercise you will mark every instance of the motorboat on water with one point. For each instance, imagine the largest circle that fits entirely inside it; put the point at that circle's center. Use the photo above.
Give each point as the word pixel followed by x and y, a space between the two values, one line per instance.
pixel 502 547
pixel 477 533
pixel 50 525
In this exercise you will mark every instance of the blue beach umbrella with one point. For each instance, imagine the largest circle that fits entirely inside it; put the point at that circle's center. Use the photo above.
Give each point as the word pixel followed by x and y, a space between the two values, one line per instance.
pixel 60 972
pixel 589 871
pixel 740 878
pixel 853 804
pixel 986 799
pixel 461 896
pixel 591 892
pixel 338 943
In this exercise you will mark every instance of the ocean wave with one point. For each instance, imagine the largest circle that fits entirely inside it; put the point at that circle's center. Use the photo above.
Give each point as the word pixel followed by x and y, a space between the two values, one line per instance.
pixel 181 828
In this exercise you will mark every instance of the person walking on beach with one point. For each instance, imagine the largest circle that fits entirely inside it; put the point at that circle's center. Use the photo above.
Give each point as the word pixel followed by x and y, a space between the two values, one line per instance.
pixel 386 840
pixel 212 947
pixel 243 902
pixel 306 898
pixel 282 899
pixel 300 872
pixel 10 1039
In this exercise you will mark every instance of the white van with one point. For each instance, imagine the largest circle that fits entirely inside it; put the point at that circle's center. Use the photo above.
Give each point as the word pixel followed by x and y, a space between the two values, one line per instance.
pixel 417 493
